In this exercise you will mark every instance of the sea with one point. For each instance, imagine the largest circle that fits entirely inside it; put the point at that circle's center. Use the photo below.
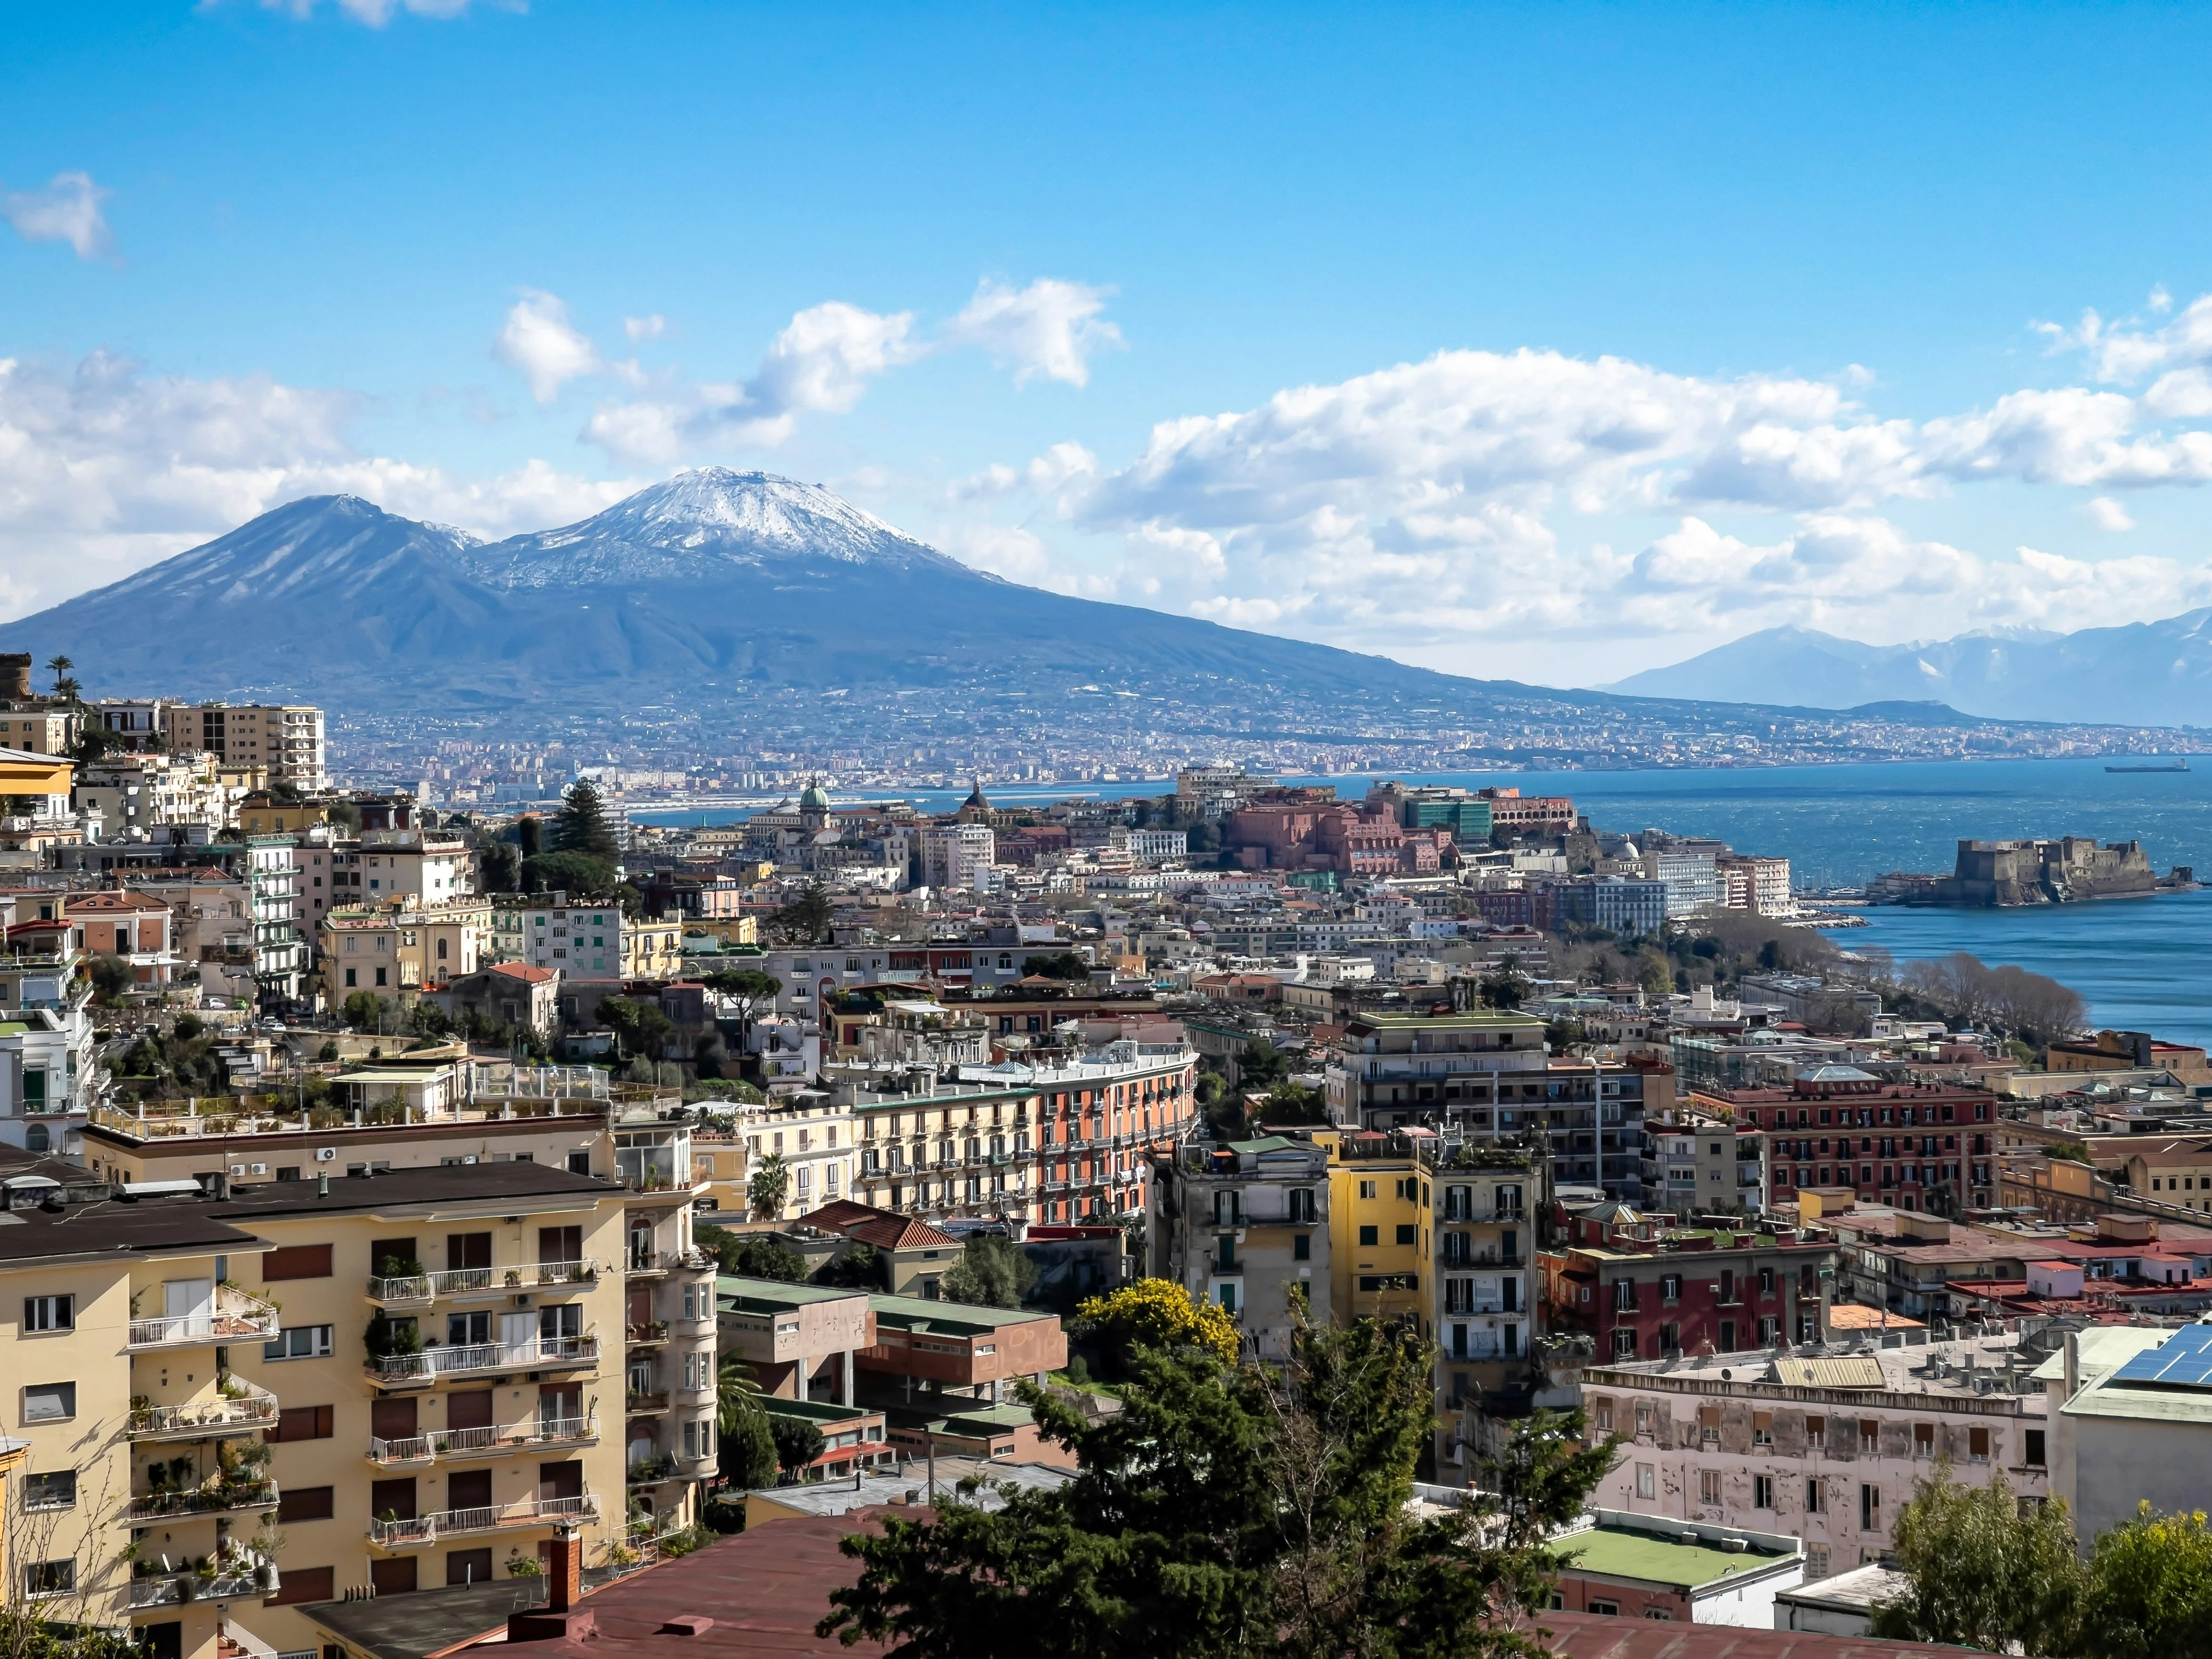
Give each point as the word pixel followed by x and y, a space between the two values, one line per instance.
pixel 2142 965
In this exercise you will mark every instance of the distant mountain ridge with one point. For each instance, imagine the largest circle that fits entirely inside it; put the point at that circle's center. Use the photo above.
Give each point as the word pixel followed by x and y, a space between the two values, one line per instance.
pixel 2154 673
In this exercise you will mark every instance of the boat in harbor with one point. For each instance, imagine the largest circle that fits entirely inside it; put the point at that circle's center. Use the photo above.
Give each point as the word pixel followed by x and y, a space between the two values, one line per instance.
pixel 2170 766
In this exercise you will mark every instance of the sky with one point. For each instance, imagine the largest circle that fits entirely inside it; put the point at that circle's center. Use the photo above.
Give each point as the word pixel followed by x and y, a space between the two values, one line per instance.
pixel 1550 342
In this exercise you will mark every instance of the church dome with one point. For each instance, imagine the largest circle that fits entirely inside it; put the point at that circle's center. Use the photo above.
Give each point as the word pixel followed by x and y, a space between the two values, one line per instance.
pixel 814 798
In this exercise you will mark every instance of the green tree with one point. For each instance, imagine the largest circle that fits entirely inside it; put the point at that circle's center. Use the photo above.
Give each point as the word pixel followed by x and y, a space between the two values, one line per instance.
pixel 1261 1066
pixel 1980 1573
pixel 770 1186
pixel 993 1271
pixel 1231 1510
pixel 806 918
pixel 111 977
pixel 1292 1102
pixel 746 1455
pixel 798 1443
pixel 499 867
pixel 639 1025
pixel 860 1268
pixel 529 836
pixel 577 874
pixel 581 826
pixel 1505 986
pixel 2150 1594
pixel 751 1255
pixel 364 1010
pixel 1061 964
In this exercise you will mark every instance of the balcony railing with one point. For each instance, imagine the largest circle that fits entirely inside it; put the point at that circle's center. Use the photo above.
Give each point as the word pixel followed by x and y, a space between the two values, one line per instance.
pixel 491 1441
pixel 647 1402
pixel 248 1576
pixel 205 1500
pixel 419 1288
pixel 641 1262
pixel 651 1334
pixel 198 1418
pixel 234 1316
pixel 398 1533
pixel 539 1354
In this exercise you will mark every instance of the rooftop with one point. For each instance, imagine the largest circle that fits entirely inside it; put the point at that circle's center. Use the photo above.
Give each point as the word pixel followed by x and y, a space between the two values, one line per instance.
pixel 1936 1374
pixel 444 1183
pixel 772 1295
pixel 1662 1558
pixel 912 1313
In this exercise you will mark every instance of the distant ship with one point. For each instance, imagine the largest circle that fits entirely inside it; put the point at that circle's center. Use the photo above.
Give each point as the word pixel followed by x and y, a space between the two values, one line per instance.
pixel 2170 766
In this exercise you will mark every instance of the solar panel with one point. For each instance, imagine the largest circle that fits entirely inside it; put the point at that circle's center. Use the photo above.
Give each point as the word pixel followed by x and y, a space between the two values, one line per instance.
pixel 2183 1361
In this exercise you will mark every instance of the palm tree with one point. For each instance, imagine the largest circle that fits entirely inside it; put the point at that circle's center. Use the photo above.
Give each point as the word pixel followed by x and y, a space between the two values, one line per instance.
pixel 735 1394
pixel 67 689
pixel 59 667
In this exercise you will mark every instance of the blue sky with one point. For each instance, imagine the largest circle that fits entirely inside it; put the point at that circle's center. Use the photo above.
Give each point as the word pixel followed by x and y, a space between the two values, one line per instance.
pixel 1554 342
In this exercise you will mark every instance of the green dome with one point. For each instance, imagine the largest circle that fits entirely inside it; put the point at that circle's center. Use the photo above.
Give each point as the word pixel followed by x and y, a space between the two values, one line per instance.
pixel 814 798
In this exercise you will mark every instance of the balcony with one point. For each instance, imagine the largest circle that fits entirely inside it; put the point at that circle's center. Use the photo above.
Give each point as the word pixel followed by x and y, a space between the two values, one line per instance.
pixel 234 1316
pixel 468 1284
pixel 205 1419
pixel 235 1498
pixel 647 1402
pixel 241 1576
pixel 462 1445
pixel 544 1353
pixel 653 1264
pixel 416 1530
pixel 652 1335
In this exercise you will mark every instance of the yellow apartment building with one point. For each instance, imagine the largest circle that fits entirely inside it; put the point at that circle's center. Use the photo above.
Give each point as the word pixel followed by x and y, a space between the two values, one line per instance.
pixel 399 948
pixel 652 949
pixel 235 1402
pixel 1379 1228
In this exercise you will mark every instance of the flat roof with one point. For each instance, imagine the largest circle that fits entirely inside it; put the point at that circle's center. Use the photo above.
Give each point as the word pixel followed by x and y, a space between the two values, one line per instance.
pixel 108 1227
pixel 419 1623
pixel 765 1293
pixel 948 1318
pixel 437 1183
pixel 1628 1553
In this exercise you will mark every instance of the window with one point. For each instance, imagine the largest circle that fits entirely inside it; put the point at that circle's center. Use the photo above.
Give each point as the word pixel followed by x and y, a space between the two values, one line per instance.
pixel 1367 1189
pixel 306 1503
pixel 1598 1604
pixel 1816 1495
pixel 1762 1428
pixel 1816 1433
pixel 1670 1287
pixel 1978 1445
pixel 49 1578
pixel 1924 1440
pixel 49 1313
pixel 56 1491
pixel 297 1262
pixel 1869 1509
pixel 1302 1248
pixel 1601 1414
pixel 301 1423
pixel 49 1403
pixel 1647 1480
pixel 1762 1492
pixel 2035 1447
pixel 1870 1434
pixel 1370 1237
pixel 307 1584
pixel 1644 1416
pixel 1709 1485
pixel 1659 1616
pixel 1405 1234
pixel 299 1342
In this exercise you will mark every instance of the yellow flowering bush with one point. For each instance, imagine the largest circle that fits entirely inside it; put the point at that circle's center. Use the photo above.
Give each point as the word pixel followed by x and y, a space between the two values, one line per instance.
pixel 1159 1313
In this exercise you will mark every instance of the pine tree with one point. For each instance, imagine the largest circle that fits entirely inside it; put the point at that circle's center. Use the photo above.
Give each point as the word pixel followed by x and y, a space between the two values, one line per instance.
pixel 581 826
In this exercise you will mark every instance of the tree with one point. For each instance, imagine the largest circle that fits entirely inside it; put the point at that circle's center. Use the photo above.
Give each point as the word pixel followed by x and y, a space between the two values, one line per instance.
pixel 1231 1510
pixel 59 667
pixel 364 1010
pixel 581 826
pixel 1061 964
pixel 1981 1574
pixel 639 1026
pixel 798 1443
pixel 1292 1102
pixel 529 836
pixel 806 918
pixel 860 1268
pixel 498 867
pixel 574 873
pixel 1157 1314
pixel 111 977
pixel 751 1255
pixel 1261 1066
pixel 770 1186
pixel 993 1271
pixel 1505 986
pixel 2150 1594
pixel 746 1457
pixel 710 1056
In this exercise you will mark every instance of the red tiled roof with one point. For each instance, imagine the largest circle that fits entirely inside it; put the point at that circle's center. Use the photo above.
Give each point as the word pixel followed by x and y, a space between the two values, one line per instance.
pixel 884 1229
pixel 524 971
pixel 1595 1636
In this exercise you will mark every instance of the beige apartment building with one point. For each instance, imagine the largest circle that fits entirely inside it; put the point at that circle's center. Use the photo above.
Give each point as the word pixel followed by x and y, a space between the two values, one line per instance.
pixel 238 1401
pixel 1244 1224
pixel 399 948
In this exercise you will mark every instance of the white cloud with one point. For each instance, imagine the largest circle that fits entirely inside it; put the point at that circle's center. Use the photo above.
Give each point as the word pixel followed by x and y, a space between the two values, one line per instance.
pixel 645 328
pixel 1049 328
pixel 378 13
pixel 820 363
pixel 2109 514
pixel 66 210
pixel 539 340
pixel 105 469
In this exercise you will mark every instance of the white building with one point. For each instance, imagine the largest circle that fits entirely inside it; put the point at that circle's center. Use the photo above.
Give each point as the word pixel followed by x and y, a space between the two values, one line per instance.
pixel 2132 1422
pixel 279 958
pixel 1692 880
pixel 1825 1443
pixel 952 854
pixel 1757 884
pixel 579 940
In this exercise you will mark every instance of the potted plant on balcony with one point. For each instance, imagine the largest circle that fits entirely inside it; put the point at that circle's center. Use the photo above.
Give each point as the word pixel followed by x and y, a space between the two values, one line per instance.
pixel 519 1566
pixel 387 1338
pixel 513 1276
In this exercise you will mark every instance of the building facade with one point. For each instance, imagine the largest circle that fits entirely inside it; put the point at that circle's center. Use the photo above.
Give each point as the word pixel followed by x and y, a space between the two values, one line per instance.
pixel 1245 1225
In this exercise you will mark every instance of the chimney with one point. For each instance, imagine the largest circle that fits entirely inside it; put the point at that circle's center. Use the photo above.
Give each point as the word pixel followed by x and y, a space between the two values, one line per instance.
pixel 560 1618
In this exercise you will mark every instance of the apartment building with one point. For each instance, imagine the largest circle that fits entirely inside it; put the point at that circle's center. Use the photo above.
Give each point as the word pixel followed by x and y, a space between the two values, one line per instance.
pixel 401 947
pixel 953 855
pixel 1379 1235
pixel 1824 1444
pixel 584 937
pixel 26 725
pixel 1486 1076
pixel 49 1074
pixel 1653 1287
pixel 1695 1161
pixel 813 1134
pixel 280 956
pixel 371 870
pixel 1481 1303
pixel 194 1370
pixel 1245 1226
pixel 285 737
pixel 135 795
pixel 1063 1137
pixel 131 928
pixel 1909 1146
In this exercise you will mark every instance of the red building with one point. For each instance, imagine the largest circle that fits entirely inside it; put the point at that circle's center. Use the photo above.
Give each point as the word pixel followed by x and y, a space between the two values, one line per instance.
pixel 1646 1288
pixel 1352 841
pixel 1910 1146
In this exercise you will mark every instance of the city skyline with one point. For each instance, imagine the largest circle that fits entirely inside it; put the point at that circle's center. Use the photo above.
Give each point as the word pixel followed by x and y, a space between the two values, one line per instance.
pixel 1549 347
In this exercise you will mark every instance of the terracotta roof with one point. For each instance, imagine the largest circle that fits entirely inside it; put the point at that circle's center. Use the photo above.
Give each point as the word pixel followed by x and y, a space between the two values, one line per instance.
pixel 523 971
pixel 1595 1636
pixel 111 901
pixel 884 1229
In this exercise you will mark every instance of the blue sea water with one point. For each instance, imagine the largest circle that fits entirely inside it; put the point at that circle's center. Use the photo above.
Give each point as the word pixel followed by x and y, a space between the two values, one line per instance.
pixel 2141 963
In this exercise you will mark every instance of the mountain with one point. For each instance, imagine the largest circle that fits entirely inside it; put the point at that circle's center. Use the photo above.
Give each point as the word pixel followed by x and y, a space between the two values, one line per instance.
pixel 713 582
pixel 2154 673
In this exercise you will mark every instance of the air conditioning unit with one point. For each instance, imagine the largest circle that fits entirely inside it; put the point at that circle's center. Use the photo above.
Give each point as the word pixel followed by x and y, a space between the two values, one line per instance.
pixel 259 1169
pixel 238 1168
pixel 326 1154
